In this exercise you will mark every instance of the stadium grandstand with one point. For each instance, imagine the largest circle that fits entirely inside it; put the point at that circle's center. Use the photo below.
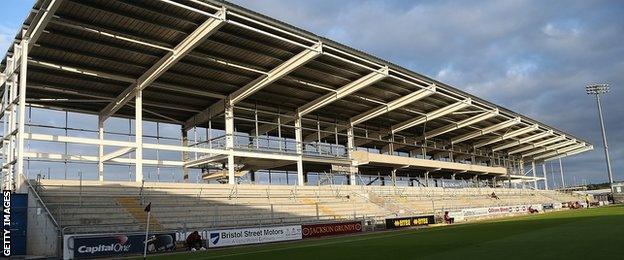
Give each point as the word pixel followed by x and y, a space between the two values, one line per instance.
pixel 259 123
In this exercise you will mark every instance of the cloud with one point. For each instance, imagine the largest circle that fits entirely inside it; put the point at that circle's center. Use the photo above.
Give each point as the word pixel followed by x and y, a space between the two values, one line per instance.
pixel 533 57
pixel 6 37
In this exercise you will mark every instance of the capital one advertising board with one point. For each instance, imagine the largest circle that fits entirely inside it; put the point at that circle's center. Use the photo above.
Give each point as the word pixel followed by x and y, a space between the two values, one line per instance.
pixel 89 246
pixel 246 236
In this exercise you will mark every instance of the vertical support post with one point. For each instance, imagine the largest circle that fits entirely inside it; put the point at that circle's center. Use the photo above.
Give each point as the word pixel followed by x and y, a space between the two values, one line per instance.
pixel 350 149
pixel 5 125
pixel 561 172
pixel 299 146
pixel 545 177
pixel 257 140
pixel 229 140
pixel 22 115
pixel 138 138
pixel 427 179
pixel 185 155
pixel 9 144
pixel 521 166
pixel 100 149
pixel 534 174
pixel 393 177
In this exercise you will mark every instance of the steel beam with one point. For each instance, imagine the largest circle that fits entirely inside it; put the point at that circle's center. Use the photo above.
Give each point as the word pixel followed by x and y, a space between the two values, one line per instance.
pixel 229 143
pixel 507 135
pixel 538 144
pixel 392 105
pixel 138 135
pixel 431 115
pixel 299 149
pixel 117 153
pixel 487 130
pixel 86 158
pixel 570 153
pixel 564 150
pixel 550 148
pixel 21 123
pixel 545 176
pixel 523 141
pixel 101 150
pixel 41 20
pixel 254 86
pixel 344 91
pixel 206 29
pixel 284 69
pixel 534 174
pixel 375 112
pixel 324 100
pixel 461 124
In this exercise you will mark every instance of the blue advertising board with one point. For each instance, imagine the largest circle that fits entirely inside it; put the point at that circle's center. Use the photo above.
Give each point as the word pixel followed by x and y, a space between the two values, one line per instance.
pixel 120 245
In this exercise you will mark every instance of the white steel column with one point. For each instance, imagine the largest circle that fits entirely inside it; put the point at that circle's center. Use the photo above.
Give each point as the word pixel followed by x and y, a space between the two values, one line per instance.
pixel 101 149
pixel 545 177
pixel 561 172
pixel 138 139
pixel 534 175
pixel 9 137
pixel 229 141
pixel 22 116
pixel 185 155
pixel 350 149
pixel 299 146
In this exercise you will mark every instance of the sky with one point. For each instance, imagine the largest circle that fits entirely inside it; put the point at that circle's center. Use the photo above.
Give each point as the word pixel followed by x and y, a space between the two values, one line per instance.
pixel 533 57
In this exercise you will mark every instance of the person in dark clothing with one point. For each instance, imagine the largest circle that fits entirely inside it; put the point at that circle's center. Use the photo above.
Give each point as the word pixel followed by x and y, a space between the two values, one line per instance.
pixel 532 210
pixel 194 241
pixel 447 218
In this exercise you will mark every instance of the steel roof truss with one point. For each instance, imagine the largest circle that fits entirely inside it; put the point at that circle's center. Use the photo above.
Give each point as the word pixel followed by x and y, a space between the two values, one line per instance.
pixel 431 115
pixel 522 141
pixel 463 123
pixel 508 135
pixel 486 130
pixel 210 26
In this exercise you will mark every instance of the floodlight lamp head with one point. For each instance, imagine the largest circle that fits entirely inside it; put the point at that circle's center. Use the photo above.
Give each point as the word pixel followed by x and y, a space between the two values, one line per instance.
pixel 596 89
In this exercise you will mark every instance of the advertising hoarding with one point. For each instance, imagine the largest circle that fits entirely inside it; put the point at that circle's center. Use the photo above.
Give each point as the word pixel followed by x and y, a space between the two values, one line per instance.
pixel 409 221
pixel 328 229
pixel 245 236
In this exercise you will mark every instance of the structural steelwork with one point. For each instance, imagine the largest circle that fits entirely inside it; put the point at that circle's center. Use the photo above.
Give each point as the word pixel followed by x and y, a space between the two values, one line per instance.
pixel 268 96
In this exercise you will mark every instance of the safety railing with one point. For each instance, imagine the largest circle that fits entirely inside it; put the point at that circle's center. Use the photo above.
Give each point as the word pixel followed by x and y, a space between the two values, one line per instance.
pixel 41 204
pixel 275 145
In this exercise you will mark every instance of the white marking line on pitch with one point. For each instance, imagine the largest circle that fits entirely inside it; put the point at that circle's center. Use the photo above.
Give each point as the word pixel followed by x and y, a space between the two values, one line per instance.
pixel 309 245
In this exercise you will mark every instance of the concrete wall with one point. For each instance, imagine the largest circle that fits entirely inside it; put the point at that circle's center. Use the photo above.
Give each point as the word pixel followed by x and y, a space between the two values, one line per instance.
pixel 43 239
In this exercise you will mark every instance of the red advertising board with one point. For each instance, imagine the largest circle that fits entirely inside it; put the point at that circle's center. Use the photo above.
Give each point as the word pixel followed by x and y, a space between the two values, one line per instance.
pixel 328 229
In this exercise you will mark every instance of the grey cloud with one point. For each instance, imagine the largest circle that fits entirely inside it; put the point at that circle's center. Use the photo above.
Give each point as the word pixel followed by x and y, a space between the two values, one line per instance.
pixel 533 57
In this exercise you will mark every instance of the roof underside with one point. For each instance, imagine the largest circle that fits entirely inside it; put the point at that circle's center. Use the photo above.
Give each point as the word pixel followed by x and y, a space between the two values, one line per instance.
pixel 78 38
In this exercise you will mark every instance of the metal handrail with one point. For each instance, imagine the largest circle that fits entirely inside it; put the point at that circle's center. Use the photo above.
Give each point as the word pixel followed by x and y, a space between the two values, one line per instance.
pixel 56 224
pixel 283 145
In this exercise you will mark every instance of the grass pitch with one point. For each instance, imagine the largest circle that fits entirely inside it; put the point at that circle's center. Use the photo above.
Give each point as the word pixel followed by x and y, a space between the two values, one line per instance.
pixel 576 234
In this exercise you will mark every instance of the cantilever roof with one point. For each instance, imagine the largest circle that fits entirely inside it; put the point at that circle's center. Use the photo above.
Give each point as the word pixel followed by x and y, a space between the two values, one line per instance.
pixel 96 49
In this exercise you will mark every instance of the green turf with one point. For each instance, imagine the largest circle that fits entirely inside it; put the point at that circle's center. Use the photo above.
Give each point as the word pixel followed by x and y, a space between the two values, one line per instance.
pixel 576 234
